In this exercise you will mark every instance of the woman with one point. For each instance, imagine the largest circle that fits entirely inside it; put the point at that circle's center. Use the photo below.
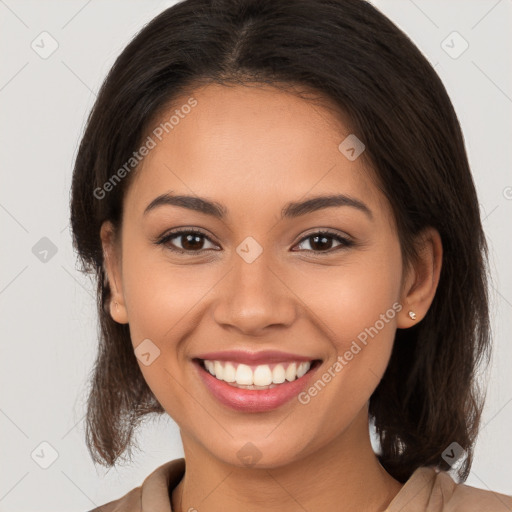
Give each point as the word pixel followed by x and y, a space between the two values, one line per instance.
pixel 276 200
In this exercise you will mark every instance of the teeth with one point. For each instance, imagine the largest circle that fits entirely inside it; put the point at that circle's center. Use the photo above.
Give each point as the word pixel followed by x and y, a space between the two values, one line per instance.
pixel 302 369
pixel 291 372
pixel 219 370
pixel 259 376
pixel 229 373
pixel 243 375
pixel 278 374
pixel 262 375
pixel 210 367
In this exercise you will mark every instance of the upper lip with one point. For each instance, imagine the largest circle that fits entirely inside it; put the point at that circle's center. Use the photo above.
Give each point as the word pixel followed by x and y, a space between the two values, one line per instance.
pixel 247 357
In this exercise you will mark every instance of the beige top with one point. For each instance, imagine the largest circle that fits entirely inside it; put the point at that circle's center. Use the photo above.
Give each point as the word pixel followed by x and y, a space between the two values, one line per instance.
pixel 427 490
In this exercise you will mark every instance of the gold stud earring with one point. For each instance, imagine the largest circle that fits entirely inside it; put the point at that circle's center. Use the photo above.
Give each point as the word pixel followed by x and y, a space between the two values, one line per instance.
pixel 412 315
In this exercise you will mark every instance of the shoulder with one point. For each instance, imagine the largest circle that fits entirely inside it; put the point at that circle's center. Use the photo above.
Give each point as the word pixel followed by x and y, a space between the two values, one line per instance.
pixel 430 490
pixel 153 494
pixel 128 502
pixel 465 498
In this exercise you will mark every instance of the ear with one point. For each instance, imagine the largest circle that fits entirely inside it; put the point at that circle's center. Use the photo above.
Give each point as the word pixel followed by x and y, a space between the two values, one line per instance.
pixel 112 266
pixel 422 278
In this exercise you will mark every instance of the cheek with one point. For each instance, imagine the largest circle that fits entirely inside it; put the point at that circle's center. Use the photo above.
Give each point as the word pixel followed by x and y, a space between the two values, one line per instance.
pixel 163 302
pixel 351 297
pixel 161 296
pixel 355 306
pixel 357 313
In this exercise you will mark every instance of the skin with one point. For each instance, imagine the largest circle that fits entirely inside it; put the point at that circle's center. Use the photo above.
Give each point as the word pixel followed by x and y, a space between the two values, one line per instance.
pixel 254 149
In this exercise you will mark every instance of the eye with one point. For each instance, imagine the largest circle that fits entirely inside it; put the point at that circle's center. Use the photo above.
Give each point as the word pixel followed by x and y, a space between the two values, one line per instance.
pixel 191 240
pixel 322 241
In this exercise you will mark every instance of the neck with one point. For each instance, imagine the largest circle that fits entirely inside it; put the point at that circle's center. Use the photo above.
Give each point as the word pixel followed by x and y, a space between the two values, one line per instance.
pixel 344 475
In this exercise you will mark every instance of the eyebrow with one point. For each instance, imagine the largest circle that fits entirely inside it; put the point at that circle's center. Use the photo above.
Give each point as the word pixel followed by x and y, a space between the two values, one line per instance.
pixel 291 210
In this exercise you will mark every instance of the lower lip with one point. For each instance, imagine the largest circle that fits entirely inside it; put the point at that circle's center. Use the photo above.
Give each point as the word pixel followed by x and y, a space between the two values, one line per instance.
pixel 254 400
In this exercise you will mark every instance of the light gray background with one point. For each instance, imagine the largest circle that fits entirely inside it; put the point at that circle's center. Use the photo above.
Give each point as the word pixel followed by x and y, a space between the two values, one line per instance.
pixel 48 317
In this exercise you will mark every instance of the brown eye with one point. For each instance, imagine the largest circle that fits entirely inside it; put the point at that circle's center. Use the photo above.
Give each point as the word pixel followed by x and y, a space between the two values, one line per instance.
pixel 193 241
pixel 190 240
pixel 323 241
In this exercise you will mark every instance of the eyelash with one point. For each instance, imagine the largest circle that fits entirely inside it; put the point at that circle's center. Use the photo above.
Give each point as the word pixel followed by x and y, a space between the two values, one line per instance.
pixel 345 242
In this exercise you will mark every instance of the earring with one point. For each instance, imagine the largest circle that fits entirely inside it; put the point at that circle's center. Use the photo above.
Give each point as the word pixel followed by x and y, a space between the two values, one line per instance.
pixel 412 315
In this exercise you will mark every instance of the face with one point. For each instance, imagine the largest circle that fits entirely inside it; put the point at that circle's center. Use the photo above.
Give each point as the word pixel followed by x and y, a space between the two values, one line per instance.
pixel 263 277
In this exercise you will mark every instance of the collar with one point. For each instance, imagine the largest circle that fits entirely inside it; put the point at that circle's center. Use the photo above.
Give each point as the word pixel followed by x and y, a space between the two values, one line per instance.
pixel 157 487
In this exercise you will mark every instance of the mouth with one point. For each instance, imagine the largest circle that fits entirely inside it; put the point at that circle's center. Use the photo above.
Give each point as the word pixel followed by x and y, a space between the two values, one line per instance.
pixel 263 376
pixel 255 387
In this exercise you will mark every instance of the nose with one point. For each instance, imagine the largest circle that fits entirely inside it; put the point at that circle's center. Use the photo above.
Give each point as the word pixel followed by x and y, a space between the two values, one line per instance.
pixel 254 297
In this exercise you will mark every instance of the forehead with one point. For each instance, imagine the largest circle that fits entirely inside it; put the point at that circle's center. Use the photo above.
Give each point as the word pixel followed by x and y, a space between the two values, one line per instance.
pixel 249 147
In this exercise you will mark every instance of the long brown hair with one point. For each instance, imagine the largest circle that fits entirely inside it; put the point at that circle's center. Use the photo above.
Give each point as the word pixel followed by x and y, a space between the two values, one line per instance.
pixel 350 53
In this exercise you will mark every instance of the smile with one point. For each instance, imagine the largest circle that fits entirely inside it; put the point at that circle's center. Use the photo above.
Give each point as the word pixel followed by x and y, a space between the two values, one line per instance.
pixel 263 376
pixel 255 387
